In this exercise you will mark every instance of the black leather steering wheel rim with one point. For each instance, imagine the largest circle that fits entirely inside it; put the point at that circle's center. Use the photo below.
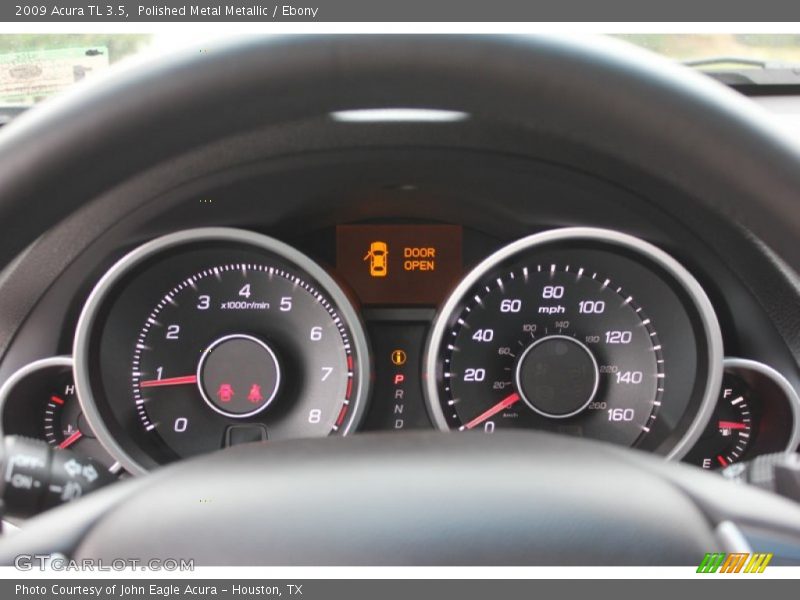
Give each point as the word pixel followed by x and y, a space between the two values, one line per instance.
pixel 646 112
pixel 425 498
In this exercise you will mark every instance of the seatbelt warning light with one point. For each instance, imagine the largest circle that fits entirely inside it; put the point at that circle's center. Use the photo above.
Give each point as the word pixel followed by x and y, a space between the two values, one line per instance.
pixel 225 392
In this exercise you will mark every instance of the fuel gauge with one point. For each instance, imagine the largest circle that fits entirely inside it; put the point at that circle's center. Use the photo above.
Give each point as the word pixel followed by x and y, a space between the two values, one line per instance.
pixel 730 431
pixel 756 413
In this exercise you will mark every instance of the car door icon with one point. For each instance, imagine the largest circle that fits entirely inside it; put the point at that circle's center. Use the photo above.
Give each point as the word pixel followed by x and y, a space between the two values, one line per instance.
pixel 378 257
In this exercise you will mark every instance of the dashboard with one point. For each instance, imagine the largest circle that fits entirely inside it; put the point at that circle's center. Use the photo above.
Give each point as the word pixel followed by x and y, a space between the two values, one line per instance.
pixel 276 272
pixel 210 337
pixel 251 292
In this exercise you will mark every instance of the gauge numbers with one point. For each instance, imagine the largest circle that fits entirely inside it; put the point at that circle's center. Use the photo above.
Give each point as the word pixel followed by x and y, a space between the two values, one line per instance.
pixel 578 331
pixel 553 346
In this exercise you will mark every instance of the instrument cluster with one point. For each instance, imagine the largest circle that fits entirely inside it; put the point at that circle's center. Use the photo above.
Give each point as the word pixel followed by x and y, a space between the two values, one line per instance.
pixel 207 338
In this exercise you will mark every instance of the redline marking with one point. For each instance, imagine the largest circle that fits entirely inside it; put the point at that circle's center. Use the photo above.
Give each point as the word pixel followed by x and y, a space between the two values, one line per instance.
pixel 341 416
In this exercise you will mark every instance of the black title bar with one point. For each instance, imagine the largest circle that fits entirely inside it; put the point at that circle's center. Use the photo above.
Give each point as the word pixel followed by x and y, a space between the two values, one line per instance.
pixel 198 11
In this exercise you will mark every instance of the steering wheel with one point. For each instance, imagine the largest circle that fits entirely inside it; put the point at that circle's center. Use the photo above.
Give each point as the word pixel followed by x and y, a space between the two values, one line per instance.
pixel 426 498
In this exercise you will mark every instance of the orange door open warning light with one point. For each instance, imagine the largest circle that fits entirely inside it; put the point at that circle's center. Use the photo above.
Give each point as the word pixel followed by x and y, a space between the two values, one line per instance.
pixel 378 257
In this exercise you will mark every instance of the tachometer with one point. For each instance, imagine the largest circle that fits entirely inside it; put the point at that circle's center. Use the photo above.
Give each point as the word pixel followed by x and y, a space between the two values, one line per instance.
pixel 579 331
pixel 211 338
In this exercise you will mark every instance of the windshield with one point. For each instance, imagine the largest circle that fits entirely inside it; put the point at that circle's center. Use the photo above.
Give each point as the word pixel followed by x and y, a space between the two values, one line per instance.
pixel 34 67
pixel 735 49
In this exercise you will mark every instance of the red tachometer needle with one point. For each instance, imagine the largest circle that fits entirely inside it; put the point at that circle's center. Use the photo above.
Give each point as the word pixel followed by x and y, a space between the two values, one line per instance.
pixel 70 440
pixel 170 381
pixel 731 425
pixel 502 405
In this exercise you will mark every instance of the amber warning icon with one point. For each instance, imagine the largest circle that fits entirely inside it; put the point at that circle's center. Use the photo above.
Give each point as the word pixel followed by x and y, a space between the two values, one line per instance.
pixel 399 357
pixel 378 257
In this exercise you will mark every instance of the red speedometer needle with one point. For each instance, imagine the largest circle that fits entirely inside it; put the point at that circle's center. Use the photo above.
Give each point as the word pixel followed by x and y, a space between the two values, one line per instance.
pixel 70 440
pixel 502 405
pixel 170 381
pixel 731 425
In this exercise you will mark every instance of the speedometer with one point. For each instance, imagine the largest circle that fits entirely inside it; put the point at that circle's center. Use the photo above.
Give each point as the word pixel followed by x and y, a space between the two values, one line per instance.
pixel 211 338
pixel 579 331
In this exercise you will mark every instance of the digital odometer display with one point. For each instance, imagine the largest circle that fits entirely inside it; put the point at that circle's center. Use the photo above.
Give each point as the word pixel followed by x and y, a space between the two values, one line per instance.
pixel 578 331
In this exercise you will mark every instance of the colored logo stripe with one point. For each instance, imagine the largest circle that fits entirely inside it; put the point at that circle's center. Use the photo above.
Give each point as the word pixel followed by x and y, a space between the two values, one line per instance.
pixel 758 563
pixel 736 562
pixel 711 562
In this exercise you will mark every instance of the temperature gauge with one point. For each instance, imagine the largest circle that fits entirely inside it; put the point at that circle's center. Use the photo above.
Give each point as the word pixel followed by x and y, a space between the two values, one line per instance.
pixel 63 423
pixel 40 401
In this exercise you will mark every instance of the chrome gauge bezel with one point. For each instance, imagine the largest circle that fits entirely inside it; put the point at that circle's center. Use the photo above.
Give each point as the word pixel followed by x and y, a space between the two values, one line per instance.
pixel 689 285
pixel 119 271
pixel 51 362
